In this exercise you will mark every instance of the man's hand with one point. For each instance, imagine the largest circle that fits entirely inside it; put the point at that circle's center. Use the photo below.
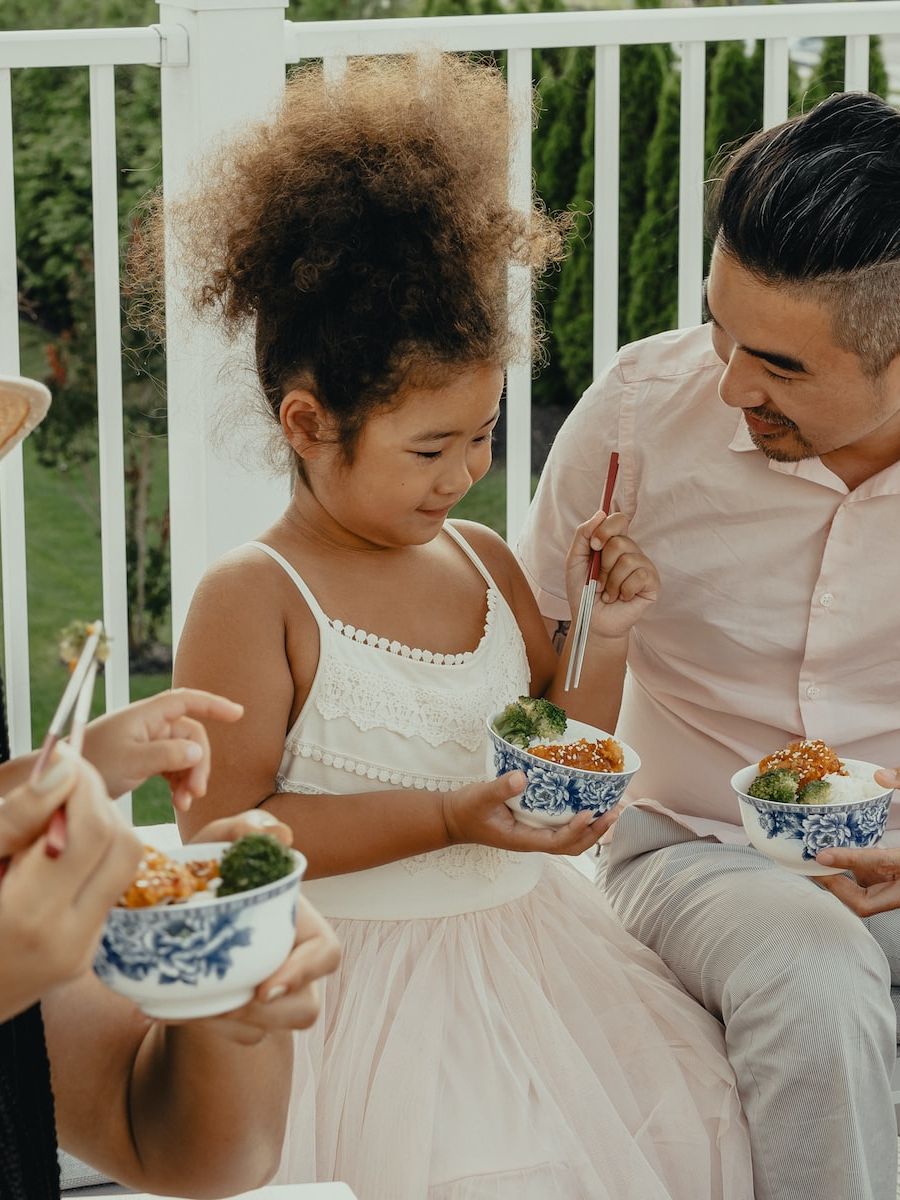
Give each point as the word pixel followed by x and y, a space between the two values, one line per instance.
pixel 628 582
pixel 159 736
pixel 875 887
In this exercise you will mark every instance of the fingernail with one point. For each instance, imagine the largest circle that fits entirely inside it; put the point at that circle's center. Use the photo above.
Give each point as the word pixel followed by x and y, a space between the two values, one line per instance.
pixel 605 597
pixel 825 856
pixel 595 544
pixel 275 993
pixel 260 817
pixel 53 777
pixel 192 752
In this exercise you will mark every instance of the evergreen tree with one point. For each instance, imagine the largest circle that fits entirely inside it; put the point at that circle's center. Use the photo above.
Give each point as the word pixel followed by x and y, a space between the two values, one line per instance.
pixel 642 73
pixel 828 76
pixel 653 261
pixel 566 105
pixel 573 311
pixel 735 95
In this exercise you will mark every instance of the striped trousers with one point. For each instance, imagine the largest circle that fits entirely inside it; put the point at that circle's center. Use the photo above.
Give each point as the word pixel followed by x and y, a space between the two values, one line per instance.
pixel 802 986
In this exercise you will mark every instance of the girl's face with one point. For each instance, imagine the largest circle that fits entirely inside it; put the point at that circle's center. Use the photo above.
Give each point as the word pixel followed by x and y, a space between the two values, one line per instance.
pixel 413 462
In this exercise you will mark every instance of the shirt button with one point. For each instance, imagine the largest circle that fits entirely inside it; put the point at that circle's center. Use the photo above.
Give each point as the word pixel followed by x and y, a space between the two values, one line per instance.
pixel 826 599
pixel 812 691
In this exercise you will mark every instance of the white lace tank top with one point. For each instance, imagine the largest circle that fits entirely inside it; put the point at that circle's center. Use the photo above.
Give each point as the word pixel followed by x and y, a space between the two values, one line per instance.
pixel 383 715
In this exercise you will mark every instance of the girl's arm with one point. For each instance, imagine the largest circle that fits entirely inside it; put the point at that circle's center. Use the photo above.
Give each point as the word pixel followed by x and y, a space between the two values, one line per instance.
pixel 630 583
pixel 250 658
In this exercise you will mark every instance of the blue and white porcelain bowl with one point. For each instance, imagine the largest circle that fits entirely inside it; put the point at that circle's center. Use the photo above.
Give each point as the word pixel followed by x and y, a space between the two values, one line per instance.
pixel 555 793
pixel 206 955
pixel 792 834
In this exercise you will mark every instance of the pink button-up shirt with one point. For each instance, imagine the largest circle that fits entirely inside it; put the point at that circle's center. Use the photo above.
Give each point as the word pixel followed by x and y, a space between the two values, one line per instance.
pixel 779 612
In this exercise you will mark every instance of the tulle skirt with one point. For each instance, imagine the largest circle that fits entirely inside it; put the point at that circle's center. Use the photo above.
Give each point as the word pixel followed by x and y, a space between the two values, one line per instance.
pixel 530 1051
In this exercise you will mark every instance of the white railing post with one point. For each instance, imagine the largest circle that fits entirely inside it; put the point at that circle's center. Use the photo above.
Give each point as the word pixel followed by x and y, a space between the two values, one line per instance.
pixel 235 73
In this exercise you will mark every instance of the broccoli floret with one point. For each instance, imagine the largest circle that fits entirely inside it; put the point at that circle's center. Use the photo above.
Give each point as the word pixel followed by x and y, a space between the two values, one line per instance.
pixel 515 726
pixel 780 785
pixel 548 719
pixel 251 861
pixel 817 791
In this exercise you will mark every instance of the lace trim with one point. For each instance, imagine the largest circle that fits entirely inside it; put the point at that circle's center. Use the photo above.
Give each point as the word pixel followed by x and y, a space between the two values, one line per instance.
pixel 459 861
pixel 370 770
pixel 401 650
pixel 373 701
pixel 284 784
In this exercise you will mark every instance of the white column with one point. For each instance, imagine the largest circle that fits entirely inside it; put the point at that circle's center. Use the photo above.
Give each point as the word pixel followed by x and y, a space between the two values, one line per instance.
pixel 234 74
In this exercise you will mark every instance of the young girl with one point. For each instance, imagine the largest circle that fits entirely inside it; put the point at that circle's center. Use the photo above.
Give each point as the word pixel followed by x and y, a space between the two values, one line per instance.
pixel 492 1033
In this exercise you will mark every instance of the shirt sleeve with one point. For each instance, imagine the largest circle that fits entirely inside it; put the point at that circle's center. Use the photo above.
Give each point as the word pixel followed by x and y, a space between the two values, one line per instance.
pixel 570 490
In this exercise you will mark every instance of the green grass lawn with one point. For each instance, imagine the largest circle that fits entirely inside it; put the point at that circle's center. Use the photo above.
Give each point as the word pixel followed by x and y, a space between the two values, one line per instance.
pixel 64 584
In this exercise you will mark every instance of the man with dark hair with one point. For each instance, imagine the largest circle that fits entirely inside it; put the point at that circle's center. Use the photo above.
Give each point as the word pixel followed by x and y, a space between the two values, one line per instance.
pixel 760 467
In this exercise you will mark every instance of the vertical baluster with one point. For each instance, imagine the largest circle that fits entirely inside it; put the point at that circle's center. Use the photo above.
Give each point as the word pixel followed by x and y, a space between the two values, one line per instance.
pixel 606 205
pixel 518 375
pixel 775 86
pixel 109 384
pixel 12 484
pixel 856 63
pixel 690 183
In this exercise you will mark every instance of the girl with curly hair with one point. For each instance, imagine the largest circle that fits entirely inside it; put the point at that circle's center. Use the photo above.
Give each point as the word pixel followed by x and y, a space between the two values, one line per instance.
pixel 492 1032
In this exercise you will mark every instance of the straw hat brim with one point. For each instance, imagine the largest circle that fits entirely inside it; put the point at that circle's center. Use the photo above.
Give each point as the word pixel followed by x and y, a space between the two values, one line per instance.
pixel 23 405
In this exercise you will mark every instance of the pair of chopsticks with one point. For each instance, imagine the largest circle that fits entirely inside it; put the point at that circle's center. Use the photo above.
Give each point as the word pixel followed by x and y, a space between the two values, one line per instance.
pixel 589 591
pixel 75 703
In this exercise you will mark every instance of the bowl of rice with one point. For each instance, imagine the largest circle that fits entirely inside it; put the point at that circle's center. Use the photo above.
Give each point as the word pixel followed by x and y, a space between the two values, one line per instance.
pixel 581 768
pixel 180 945
pixel 804 799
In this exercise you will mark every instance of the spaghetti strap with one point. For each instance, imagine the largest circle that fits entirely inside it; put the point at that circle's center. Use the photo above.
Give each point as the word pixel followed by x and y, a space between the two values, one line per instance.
pixel 302 588
pixel 470 554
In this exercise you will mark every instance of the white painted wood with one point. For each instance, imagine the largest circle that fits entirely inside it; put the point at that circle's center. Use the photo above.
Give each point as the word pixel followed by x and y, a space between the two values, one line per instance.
pixel 104 191
pixel 775 85
pixel 215 503
pixel 12 483
pixel 606 205
pixel 856 63
pixel 690 183
pixel 312 39
pixel 518 375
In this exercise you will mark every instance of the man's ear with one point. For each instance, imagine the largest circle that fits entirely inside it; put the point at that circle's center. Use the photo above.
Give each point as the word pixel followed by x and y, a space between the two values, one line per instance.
pixel 305 423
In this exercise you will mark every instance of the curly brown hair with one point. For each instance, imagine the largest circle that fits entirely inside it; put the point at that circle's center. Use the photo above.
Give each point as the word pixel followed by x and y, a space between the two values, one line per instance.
pixel 365 231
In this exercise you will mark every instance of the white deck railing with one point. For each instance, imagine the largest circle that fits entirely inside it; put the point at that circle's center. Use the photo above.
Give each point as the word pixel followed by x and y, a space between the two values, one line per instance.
pixel 222 63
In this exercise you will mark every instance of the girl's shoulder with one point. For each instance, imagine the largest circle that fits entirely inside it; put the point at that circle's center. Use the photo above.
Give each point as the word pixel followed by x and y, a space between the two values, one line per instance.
pixel 247 581
pixel 490 548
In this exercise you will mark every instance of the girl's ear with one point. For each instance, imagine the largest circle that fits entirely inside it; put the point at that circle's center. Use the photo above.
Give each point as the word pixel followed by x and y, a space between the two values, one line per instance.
pixel 305 423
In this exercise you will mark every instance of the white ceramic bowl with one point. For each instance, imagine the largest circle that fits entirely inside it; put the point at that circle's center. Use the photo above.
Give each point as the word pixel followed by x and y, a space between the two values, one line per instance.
pixel 206 955
pixel 555 793
pixel 791 834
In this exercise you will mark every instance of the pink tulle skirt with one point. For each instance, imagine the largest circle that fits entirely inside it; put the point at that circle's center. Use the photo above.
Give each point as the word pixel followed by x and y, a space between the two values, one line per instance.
pixel 530 1051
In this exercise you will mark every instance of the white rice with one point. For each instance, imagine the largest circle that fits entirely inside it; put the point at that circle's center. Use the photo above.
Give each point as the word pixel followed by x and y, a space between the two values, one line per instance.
pixel 846 789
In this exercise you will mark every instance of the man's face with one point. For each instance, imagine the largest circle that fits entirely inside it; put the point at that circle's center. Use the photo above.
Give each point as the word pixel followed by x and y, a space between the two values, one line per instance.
pixel 802 395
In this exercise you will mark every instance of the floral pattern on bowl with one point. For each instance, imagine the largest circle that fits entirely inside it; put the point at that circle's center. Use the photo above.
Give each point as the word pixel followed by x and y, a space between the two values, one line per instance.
pixel 203 956
pixel 556 793
pixel 792 834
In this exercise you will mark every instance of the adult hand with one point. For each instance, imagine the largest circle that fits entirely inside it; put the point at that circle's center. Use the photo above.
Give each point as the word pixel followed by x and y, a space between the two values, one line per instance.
pixel 875 887
pixel 52 910
pixel 628 582
pixel 478 813
pixel 159 736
